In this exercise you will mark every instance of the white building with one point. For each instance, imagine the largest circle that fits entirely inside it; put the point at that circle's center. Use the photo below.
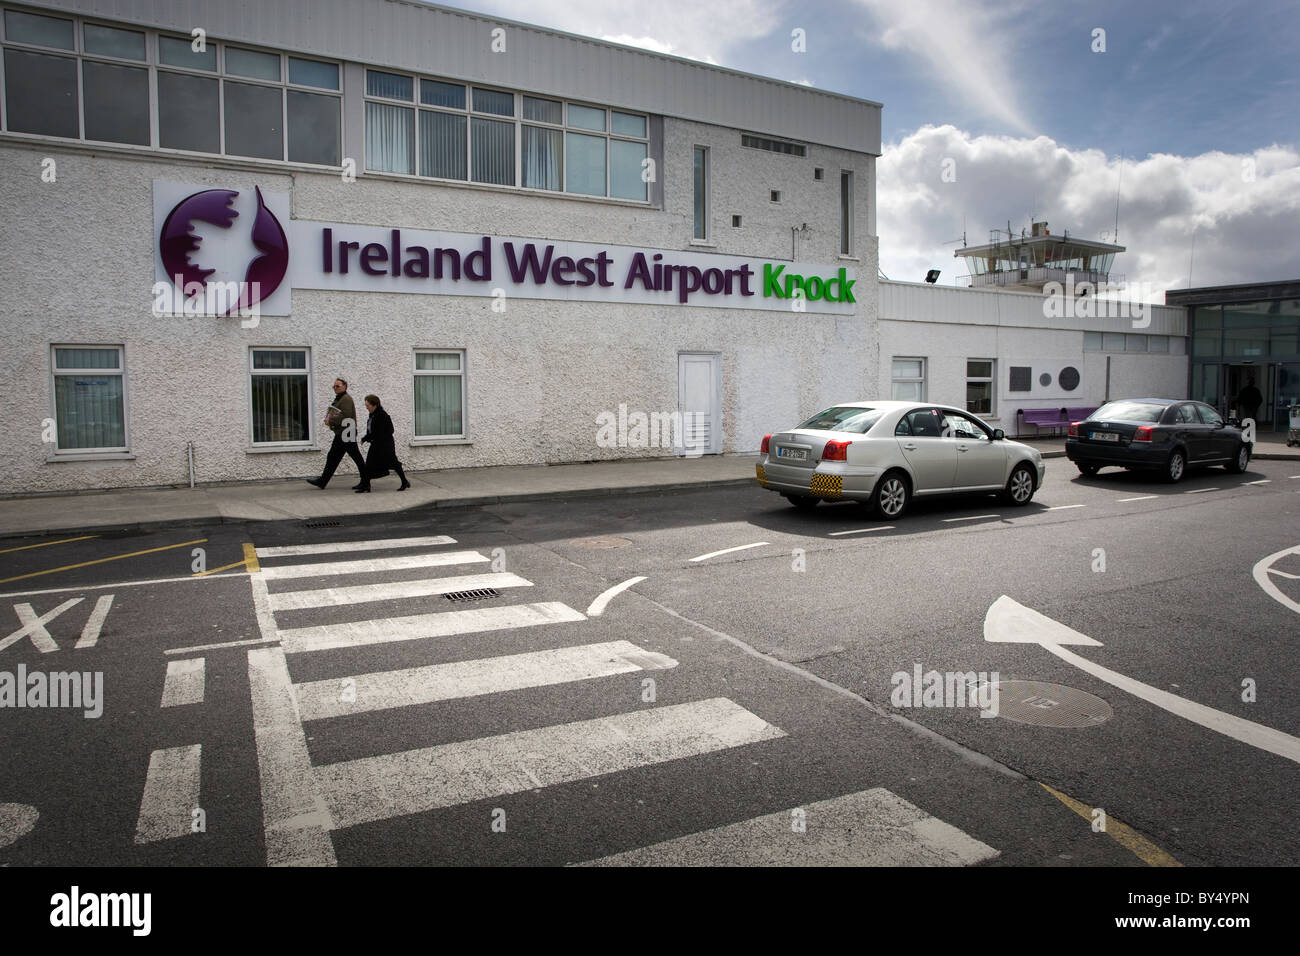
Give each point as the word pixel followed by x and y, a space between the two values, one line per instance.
pixel 487 224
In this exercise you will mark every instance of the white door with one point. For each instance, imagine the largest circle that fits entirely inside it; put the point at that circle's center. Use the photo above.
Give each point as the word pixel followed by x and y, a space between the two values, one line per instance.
pixel 699 400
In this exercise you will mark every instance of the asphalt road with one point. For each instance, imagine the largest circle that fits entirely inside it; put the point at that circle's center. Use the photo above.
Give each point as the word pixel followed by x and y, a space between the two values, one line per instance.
pixel 752 714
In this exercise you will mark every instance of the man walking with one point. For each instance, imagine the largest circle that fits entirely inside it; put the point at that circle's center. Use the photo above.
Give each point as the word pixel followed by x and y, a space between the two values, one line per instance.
pixel 342 420
pixel 1249 400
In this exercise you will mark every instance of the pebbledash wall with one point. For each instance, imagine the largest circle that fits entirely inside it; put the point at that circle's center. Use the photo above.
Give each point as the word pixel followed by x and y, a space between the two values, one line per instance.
pixel 79 256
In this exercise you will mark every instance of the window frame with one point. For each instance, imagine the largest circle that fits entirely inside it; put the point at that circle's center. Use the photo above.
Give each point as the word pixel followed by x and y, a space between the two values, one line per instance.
pixel 704 153
pixel 152 65
pixel 991 379
pixel 463 374
pixel 104 451
pixel 907 379
pixel 310 441
pixel 847 236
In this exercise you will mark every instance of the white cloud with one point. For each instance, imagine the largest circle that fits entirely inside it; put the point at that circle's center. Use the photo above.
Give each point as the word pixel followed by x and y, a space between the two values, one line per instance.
pixel 686 28
pixel 967 47
pixel 1246 222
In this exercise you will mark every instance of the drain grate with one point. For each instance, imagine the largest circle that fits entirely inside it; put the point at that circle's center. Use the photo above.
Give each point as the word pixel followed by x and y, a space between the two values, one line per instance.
pixel 478 594
pixel 322 524
pixel 1050 705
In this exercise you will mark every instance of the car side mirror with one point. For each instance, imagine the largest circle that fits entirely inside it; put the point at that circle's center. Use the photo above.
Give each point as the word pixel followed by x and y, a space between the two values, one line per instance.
pixel 999 434
pixel 1234 422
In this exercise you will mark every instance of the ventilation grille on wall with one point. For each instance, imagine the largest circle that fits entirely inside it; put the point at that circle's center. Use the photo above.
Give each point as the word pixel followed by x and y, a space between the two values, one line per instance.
pixel 772 145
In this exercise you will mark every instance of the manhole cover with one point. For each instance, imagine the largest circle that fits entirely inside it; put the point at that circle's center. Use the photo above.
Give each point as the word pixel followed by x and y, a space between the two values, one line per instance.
pixel 605 542
pixel 1050 705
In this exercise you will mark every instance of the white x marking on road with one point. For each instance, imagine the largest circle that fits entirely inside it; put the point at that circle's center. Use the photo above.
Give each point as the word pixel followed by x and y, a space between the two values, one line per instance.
pixel 34 627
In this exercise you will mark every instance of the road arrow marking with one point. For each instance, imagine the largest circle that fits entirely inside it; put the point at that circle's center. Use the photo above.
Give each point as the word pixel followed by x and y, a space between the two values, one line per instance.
pixel 1010 621
pixel 1264 567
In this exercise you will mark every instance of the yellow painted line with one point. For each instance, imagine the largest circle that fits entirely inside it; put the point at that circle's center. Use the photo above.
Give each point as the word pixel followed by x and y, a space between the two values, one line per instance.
pixel 1121 833
pixel 238 564
pixel 46 544
pixel 250 558
pixel 116 557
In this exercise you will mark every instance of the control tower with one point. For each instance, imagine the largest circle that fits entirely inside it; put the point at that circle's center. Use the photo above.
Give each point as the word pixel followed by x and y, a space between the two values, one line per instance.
pixel 1027 262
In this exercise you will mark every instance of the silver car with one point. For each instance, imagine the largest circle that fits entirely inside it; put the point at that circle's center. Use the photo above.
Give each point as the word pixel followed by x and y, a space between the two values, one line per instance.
pixel 883 453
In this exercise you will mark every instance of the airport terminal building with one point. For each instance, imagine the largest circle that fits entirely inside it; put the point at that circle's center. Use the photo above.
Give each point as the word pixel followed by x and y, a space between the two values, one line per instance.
pixel 534 247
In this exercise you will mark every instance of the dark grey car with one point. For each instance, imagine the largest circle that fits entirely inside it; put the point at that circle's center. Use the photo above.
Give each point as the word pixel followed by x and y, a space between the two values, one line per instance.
pixel 1161 434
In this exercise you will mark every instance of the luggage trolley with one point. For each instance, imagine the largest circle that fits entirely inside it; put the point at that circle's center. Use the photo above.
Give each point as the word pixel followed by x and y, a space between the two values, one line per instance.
pixel 1293 431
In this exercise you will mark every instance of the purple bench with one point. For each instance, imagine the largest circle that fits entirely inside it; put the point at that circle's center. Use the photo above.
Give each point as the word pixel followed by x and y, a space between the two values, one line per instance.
pixel 1053 418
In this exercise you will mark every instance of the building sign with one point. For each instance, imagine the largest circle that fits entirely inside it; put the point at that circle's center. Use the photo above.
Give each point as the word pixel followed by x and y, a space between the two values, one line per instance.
pixel 244 244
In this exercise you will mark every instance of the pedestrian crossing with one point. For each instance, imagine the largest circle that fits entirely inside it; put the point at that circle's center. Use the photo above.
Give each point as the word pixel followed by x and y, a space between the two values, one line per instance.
pixel 304 802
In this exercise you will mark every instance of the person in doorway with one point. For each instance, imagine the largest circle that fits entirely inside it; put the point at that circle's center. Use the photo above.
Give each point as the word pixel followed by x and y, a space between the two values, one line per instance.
pixel 341 418
pixel 1249 400
pixel 382 455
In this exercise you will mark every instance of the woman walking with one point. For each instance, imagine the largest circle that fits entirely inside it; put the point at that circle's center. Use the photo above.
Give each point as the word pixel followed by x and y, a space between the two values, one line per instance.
pixel 382 455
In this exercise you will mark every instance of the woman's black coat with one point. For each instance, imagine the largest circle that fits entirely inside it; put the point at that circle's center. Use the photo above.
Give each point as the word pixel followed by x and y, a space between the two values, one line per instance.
pixel 382 455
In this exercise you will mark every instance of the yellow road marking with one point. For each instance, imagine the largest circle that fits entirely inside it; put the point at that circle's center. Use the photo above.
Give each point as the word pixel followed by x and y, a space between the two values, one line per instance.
pixel 250 558
pixel 116 557
pixel 238 564
pixel 46 544
pixel 1121 833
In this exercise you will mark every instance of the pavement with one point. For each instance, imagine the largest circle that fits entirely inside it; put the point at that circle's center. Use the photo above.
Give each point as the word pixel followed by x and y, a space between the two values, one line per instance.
pixel 293 499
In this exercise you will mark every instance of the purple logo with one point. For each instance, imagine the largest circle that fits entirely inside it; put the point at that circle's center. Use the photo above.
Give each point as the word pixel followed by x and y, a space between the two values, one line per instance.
pixel 178 245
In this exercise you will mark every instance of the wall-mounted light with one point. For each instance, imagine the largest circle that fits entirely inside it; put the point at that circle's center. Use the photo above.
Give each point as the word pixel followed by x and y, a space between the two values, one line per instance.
pixel 932 276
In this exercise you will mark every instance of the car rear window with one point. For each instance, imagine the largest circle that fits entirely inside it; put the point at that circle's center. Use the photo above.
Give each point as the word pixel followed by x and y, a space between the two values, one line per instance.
pixel 844 418
pixel 1128 412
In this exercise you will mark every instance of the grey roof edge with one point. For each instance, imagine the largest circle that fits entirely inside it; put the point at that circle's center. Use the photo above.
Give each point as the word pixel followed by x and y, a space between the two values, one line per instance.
pixel 1240 292
pixel 334 29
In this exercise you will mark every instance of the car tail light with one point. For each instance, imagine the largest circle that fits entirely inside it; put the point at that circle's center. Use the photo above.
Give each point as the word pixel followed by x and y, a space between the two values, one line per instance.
pixel 1074 430
pixel 763 448
pixel 1143 433
pixel 836 451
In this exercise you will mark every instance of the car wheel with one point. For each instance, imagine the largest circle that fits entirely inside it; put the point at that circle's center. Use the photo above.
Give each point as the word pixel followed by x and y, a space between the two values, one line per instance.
pixel 891 497
pixel 1238 464
pixel 803 502
pixel 1020 486
pixel 1176 466
pixel 1088 469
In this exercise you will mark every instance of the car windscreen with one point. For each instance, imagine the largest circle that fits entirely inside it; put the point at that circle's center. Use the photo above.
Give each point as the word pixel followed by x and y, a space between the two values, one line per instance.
pixel 844 418
pixel 1128 412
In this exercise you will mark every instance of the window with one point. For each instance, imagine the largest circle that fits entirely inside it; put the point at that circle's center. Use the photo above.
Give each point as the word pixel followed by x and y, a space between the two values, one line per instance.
pixel 735 222
pixel 701 193
pixel 223 99
pixel 772 145
pixel 1112 341
pixel 908 379
pixel 280 382
pixel 500 138
pixel 818 173
pixel 846 213
pixel 775 195
pixel 439 394
pixel 1209 416
pixel 89 398
pixel 1135 342
pixel 1158 343
pixel 979 386
pixel 1092 341
pixel 1186 415
pixel 844 418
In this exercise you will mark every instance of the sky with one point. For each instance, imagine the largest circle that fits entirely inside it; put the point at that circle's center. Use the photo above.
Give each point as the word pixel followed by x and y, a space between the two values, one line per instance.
pixel 1188 112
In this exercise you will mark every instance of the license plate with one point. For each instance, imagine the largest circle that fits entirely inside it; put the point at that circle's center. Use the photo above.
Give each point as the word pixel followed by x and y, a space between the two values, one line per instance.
pixel 1104 436
pixel 794 454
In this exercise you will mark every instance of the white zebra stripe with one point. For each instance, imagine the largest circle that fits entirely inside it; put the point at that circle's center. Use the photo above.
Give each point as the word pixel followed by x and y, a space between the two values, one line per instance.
pixel 392 590
pixel 347 547
pixel 171 794
pixel 367 565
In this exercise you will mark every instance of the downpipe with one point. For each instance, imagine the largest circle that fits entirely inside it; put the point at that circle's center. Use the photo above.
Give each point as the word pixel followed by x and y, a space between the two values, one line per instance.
pixel 189 450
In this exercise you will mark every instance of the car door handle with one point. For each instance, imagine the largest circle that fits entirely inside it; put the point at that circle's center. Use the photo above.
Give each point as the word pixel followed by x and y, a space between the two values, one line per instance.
pixel 961 447
pixel 910 447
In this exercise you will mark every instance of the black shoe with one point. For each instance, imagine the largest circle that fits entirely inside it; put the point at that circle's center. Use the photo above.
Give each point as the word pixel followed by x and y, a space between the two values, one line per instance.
pixel 405 484
pixel 317 482
pixel 355 487
pixel 362 489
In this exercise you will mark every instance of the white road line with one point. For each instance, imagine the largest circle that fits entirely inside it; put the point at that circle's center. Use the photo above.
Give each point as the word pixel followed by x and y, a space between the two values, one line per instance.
pixel 392 590
pixel 879 527
pixel 95 623
pixel 126 584
pixel 871 828
pixel 492 675
pixel 1197 491
pixel 742 547
pixel 347 547
pixel 971 518
pixel 294 814
pixel 1261 481
pixel 300 640
pixel 1139 498
pixel 171 794
pixel 1293 476
pixel 1264 567
pixel 390 785
pixel 366 565
pixel 184 682
pixel 597 607
pixel 218 647
pixel 1065 507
